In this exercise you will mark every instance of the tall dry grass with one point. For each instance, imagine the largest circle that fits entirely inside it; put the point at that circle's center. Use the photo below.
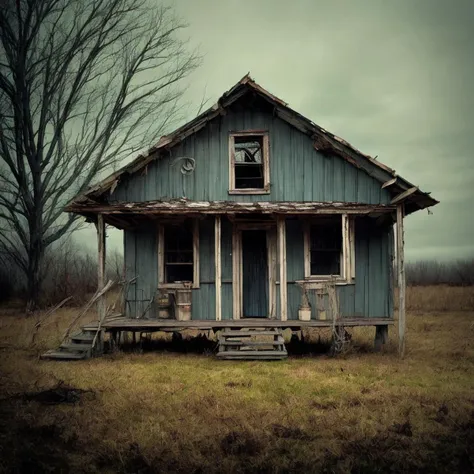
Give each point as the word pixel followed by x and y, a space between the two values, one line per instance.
pixel 439 298
pixel 166 412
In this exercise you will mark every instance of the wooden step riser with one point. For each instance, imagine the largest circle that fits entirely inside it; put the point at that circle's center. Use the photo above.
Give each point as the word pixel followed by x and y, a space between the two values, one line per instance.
pixel 250 333
pixel 261 358
pixel 60 355
pixel 252 343
pixel 252 353
pixel 82 340
pixel 75 347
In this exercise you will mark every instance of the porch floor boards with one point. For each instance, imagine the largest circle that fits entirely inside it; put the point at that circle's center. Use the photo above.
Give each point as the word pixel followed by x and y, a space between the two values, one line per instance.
pixel 149 325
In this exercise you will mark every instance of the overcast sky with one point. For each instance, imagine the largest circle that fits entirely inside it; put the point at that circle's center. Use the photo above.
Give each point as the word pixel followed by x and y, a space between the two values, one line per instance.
pixel 394 78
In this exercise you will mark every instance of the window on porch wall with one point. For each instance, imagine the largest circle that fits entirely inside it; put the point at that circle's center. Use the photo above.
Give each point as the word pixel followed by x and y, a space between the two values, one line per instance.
pixel 326 254
pixel 330 252
pixel 178 253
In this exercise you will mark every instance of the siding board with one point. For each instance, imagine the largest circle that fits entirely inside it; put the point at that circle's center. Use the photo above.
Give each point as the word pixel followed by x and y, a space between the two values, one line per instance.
pixel 297 171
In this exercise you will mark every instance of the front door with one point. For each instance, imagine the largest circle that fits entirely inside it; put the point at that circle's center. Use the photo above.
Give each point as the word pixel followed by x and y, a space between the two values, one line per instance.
pixel 254 274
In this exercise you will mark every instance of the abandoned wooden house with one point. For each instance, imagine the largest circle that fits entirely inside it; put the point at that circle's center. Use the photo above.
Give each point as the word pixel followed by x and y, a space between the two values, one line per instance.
pixel 251 219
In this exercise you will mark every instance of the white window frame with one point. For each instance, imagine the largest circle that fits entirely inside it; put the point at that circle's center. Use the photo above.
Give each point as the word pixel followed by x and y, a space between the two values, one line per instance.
pixel 161 257
pixel 265 162
pixel 347 261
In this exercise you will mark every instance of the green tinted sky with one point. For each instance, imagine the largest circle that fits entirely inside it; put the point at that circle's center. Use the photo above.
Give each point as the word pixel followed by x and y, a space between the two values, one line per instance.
pixel 394 78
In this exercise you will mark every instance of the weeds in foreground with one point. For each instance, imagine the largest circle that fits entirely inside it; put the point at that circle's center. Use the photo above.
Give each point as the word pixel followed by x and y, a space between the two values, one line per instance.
pixel 163 411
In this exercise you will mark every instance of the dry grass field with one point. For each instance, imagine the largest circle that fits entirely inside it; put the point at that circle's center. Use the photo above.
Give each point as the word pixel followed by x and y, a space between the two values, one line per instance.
pixel 162 411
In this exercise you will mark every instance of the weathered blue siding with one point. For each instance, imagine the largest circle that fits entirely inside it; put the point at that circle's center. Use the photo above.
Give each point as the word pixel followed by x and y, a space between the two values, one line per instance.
pixel 297 171
pixel 369 296
pixel 141 262
pixel 371 293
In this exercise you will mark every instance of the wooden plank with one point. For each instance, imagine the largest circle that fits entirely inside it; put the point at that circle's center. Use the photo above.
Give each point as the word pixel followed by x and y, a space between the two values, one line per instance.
pixel 389 183
pixel 352 246
pixel 161 255
pixel 186 207
pixel 101 303
pixel 401 281
pixel 307 250
pixel 218 263
pixel 165 325
pixel 252 353
pixel 231 163
pixel 266 162
pixel 279 342
pixel 272 276
pixel 196 253
pixel 64 355
pixel 346 264
pixel 235 274
pixel 281 227
pixel 249 333
pixel 400 197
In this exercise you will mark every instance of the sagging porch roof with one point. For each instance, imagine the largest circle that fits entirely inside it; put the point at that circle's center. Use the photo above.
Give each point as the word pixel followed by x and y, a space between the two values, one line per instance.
pixel 118 213
pixel 323 141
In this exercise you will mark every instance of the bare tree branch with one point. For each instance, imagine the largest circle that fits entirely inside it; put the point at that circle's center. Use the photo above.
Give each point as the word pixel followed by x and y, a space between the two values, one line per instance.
pixel 83 84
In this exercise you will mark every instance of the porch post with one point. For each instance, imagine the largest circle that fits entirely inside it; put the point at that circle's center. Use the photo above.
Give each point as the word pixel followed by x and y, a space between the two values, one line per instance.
pixel 401 281
pixel 217 262
pixel 281 228
pixel 101 302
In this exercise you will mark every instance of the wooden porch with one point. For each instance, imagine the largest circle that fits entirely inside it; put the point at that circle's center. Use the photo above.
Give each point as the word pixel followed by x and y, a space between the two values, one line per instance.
pixel 144 325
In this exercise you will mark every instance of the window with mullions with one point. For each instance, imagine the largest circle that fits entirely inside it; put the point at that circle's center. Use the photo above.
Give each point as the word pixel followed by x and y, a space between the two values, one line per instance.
pixel 249 163
pixel 178 253
pixel 329 244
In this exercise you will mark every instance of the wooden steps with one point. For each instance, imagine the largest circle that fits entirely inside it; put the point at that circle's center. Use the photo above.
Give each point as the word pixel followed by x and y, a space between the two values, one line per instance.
pixel 252 344
pixel 79 347
pixel 63 355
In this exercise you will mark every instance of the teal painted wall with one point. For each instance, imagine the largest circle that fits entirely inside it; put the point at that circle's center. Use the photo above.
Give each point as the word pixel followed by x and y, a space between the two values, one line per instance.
pixel 141 262
pixel 297 171
pixel 370 296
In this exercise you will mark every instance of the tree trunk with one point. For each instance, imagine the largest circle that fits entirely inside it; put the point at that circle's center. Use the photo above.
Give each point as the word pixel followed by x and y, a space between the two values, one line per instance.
pixel 35 258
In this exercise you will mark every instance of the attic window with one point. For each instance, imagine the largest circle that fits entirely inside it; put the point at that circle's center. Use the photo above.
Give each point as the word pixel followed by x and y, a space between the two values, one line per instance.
pixel 249 163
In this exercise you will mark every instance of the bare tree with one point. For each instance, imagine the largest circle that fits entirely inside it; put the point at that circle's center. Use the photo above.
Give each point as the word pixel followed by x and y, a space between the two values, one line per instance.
pixel 83 84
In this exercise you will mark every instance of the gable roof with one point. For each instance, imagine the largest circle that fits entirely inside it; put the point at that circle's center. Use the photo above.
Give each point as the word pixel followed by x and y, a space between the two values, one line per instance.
pixel 323 141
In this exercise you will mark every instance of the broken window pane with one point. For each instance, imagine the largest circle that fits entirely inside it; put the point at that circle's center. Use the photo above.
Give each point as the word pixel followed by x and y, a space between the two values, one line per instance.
pixel 178 252
pixel 248 157
pixel 326 246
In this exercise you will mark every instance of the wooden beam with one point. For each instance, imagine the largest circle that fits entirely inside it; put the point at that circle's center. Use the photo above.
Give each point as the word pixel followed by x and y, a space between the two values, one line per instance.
pixel 281 229
pixel 101 303
pixel 217 262
pixel 161 255
pixel 401 281
pixel 306 249
pixel 272 271
pixel 346 263
pixel 400 197
pixel 352 247
pixel 236 271
pixel 389 183
pixel 196 253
